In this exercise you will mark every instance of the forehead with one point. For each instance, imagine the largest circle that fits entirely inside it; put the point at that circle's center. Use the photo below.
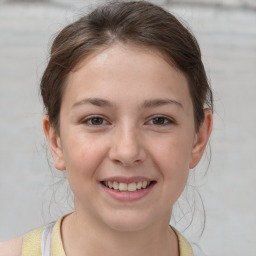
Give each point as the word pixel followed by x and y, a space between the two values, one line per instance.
pixel 102 53
pixel 141 70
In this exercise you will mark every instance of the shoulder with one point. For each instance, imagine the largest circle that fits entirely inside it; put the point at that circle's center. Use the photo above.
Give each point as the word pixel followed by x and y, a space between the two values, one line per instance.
pixel 11 247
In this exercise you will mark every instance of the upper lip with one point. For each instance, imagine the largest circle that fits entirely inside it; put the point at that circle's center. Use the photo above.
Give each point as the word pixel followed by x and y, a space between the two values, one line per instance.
pixel 127 179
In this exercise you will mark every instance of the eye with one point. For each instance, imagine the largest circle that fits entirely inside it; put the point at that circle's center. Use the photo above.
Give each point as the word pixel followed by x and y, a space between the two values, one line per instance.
pixel 161 120
pixel 95 121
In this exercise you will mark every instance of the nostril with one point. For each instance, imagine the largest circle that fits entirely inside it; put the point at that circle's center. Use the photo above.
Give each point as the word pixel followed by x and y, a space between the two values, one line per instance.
pixel 127 153
pixel 126 163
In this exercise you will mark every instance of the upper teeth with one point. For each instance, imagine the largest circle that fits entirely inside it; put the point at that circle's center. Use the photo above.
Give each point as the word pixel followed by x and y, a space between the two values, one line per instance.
pixel 126 187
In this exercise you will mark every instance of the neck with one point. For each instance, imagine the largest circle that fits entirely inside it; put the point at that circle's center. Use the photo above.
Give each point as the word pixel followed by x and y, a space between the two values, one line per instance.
pixel 84 236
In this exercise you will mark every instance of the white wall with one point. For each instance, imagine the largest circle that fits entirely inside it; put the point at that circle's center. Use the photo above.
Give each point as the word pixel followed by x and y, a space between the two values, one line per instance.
pixel 228 40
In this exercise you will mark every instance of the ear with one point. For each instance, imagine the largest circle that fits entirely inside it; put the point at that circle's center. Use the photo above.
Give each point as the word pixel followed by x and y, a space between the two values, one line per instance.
pixel 54 144
pixel 201 139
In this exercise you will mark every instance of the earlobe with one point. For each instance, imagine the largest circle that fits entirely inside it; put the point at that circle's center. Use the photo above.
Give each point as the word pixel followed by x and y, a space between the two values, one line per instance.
pixel 201 139
pixel 54 141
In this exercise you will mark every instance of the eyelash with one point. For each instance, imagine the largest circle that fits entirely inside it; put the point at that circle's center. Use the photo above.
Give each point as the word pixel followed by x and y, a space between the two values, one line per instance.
pixel 85 121
pixel 167 121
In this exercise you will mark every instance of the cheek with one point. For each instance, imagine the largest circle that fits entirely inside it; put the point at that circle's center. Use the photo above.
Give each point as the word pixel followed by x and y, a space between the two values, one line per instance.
pixel 82 156
pixel 172 157
pixel 173 151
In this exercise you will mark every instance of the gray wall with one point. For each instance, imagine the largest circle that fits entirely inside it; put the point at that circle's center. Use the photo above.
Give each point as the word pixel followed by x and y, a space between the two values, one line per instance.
pixel 227 35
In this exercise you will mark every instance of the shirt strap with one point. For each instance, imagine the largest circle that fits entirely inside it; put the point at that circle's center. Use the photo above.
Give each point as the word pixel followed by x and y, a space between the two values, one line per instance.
pixel 31 245
pixel 47 240
pixel 57 245
pixel 184 246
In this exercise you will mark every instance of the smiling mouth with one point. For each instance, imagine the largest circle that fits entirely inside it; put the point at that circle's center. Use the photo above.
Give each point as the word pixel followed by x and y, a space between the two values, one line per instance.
pixel 128 187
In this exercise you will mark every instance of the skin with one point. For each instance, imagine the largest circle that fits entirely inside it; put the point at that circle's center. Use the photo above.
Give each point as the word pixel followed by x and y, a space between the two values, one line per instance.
pixel 133 136
pixel 11 247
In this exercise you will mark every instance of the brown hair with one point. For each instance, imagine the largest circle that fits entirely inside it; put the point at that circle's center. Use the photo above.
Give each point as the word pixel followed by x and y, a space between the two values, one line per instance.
pixel 140 23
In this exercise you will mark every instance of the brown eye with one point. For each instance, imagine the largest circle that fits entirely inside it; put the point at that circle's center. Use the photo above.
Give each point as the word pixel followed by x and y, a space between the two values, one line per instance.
pixel 95 121
pixel 160 120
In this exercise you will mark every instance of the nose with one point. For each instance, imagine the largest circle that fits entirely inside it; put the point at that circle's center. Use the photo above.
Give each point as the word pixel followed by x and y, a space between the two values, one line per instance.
pixel 127 147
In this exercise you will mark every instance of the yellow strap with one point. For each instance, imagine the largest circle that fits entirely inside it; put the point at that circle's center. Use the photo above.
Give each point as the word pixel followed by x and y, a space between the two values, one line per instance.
pixel 57 246
pixel 184 246
pixel 31 245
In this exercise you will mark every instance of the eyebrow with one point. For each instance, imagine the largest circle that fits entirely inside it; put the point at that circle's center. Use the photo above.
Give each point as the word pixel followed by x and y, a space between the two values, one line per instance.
pixel 160 102
pixel 94 101
pixel 146 104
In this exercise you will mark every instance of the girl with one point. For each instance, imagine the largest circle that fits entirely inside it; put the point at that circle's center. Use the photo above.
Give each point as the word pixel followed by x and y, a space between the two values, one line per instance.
pixel 128 113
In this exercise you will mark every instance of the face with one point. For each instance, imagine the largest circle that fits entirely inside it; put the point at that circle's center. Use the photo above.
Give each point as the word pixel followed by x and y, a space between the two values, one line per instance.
pixel 127 137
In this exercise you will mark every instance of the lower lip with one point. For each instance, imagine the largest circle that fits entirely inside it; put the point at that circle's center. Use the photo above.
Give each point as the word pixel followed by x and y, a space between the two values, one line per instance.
pixel 128 196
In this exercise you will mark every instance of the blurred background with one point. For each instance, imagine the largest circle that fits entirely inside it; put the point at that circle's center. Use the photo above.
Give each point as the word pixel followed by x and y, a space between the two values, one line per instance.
pixel 32 193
